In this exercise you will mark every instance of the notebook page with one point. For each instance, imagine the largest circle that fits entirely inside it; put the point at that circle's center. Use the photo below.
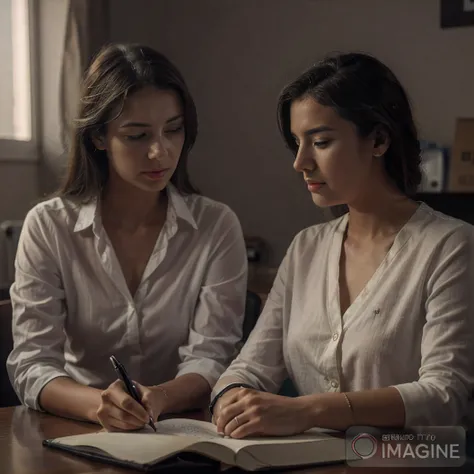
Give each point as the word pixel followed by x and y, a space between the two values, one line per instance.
pixel 208 431
pixel 187 427
pixel 137 447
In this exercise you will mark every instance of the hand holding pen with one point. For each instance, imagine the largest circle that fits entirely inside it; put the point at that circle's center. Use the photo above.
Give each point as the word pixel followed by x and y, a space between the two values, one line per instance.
pixel 117 411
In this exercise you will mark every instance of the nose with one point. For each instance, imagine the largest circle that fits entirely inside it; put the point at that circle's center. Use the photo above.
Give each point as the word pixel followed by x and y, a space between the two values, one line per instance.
pixel 156 150
pixel 304 161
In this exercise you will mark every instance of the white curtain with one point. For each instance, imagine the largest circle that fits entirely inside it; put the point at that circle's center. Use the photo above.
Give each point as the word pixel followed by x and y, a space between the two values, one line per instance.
pixel 87 29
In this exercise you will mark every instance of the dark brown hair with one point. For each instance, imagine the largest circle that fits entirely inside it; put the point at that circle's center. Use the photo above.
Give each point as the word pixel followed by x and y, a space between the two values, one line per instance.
pixel 365 92
pixel 118 71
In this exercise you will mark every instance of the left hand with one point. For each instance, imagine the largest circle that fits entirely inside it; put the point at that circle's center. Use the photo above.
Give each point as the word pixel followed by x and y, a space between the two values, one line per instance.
pixel 248 412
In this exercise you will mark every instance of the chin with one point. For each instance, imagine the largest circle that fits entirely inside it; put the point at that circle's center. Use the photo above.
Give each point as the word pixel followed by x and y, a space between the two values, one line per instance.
pixel 324 202
pixel 152 187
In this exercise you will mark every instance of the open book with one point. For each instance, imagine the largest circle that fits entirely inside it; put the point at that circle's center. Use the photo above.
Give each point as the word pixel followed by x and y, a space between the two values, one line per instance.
pixel 145 450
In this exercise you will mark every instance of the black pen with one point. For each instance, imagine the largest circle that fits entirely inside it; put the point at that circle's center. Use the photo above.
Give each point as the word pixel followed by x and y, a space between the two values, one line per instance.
pixel 129 385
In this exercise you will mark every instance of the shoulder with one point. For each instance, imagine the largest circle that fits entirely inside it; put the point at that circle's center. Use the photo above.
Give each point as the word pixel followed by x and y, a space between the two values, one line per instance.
pixel 209 213
pixel 318 236
pixel 441 231
pixel 51 214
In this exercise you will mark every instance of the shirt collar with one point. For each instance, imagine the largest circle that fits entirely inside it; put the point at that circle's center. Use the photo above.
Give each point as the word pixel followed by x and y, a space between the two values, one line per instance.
pixel 178 202
pixel 88 214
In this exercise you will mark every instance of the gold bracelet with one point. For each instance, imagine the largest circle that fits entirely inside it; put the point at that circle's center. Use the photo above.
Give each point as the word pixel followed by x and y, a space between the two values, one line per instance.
pixel 349 404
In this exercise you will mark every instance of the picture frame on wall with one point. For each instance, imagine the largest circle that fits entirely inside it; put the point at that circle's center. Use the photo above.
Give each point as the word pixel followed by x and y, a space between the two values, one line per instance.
pixel 457 13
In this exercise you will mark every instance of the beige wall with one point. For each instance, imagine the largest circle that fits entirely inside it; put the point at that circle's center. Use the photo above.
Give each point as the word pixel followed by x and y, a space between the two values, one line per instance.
pixel 22 183
pixel 18 189
pixel 237 54
pixel 53 15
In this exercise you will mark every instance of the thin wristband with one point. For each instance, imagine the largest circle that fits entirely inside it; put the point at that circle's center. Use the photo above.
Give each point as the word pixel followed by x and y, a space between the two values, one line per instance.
pixel 165 394
pixel 225 390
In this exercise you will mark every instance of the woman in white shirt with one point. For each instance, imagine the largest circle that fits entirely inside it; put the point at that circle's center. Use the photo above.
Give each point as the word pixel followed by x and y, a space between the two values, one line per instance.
pixel 128 260
pixel 371 314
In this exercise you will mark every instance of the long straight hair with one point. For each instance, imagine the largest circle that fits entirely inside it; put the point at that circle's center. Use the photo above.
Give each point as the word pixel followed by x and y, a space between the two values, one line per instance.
pixel 116 73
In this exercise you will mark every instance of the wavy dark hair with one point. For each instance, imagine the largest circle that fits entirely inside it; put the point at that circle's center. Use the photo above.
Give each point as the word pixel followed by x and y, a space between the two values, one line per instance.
pixel 364 91
pixel 116 72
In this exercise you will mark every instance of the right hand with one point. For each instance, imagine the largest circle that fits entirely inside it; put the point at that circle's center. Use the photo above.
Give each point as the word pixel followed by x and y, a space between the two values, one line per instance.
pixel 118 411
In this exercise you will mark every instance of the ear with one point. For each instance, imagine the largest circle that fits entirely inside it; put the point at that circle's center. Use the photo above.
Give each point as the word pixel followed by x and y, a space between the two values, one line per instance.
pixel 98 141
pixel 381 142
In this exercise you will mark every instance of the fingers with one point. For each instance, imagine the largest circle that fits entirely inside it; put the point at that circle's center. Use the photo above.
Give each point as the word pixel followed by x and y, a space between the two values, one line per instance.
pixel 119 410
pixel 231 406
pixel 228 414
pixel 146 399
pixel 252 427
pixel 236 422
pixel 230 397
pixel 115 419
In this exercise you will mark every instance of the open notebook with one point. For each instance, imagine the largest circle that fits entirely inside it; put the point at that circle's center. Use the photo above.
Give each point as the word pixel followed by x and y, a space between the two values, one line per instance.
pixel 145 450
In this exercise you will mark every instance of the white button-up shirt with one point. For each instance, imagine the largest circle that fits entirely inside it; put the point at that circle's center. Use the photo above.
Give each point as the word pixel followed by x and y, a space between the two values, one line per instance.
pixel 412 327
pixel 72 308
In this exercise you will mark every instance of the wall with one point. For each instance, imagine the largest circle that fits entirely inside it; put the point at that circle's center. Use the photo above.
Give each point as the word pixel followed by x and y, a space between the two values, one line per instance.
pixel 52 19
pixel 6 73
pixel 22 183
pixel 237 55
pixel 18 188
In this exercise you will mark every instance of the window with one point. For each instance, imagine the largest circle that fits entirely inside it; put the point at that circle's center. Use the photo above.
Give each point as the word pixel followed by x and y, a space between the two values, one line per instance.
pixel 17 105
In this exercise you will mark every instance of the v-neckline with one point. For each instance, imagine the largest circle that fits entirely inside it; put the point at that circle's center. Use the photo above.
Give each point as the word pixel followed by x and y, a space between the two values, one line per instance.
pixel 116 272
pixel 399 241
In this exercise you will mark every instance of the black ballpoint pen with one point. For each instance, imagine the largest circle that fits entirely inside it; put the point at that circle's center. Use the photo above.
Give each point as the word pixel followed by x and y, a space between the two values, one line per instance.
pixel 129 385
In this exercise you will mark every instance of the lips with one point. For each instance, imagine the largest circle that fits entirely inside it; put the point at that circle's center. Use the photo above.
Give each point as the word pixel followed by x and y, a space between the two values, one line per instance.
pixel 156 171
pixel 155 174
pixel 315 186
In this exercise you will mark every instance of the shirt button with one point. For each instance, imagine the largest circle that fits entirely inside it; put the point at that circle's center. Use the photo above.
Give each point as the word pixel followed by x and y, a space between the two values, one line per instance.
pixel 334 384
pixel 335 336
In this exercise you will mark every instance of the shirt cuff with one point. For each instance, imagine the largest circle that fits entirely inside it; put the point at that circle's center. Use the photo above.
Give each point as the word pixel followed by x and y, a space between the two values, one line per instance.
pixel 428 405
pixel 206 368
pixel 32 392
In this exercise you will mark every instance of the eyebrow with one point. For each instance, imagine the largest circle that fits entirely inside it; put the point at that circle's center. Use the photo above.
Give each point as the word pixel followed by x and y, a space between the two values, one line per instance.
pixel 314 131
pixel 143 124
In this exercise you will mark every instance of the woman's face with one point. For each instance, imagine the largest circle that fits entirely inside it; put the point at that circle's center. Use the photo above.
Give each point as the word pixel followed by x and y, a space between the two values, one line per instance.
pixel 145 141
pixel 337 164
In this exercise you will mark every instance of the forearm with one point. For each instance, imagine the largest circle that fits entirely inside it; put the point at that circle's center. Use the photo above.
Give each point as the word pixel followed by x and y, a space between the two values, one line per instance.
pixel 67 398
pixel 379 407
pixel 184 393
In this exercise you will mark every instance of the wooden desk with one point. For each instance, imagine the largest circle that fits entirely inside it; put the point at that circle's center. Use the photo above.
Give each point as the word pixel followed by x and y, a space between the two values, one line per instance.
pixel 21 452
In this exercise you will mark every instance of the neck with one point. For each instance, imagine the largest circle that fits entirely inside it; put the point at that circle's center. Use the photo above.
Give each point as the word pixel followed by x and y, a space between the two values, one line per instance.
pixel 379 214
pixel 132 209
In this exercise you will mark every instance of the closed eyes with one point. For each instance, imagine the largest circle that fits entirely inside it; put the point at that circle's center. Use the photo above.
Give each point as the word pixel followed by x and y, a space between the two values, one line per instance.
pixel 142 135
